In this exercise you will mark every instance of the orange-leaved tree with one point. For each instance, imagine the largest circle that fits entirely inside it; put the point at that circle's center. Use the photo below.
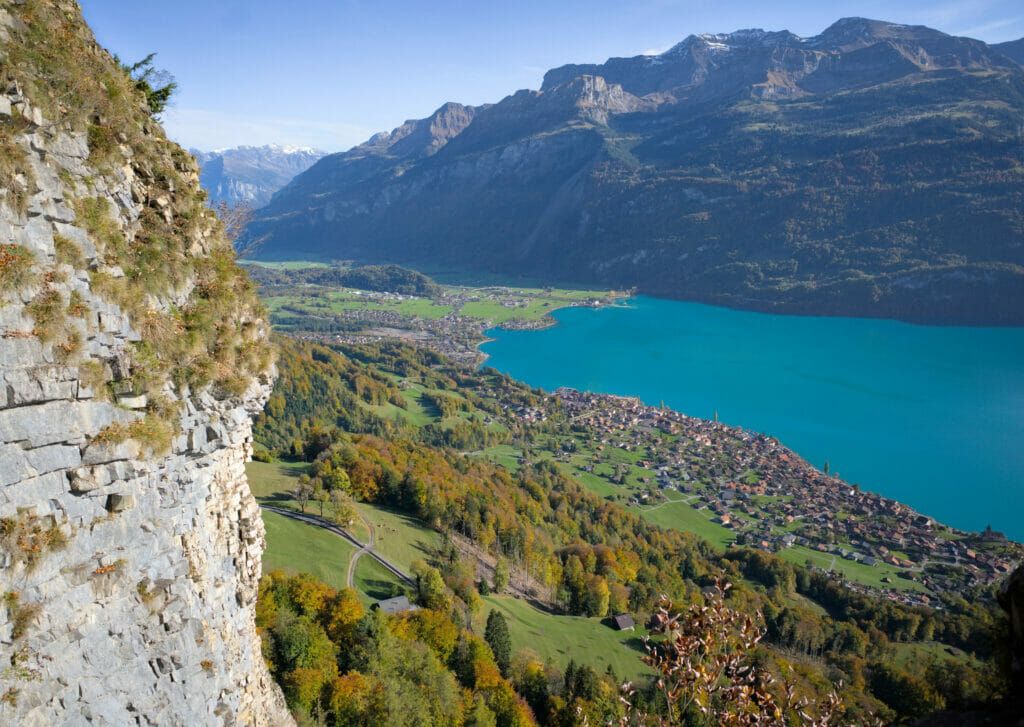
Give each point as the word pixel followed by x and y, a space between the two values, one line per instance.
pixel 706 675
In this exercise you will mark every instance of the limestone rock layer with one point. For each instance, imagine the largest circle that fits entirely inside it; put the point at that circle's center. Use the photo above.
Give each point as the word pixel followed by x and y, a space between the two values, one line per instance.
pixel 129 560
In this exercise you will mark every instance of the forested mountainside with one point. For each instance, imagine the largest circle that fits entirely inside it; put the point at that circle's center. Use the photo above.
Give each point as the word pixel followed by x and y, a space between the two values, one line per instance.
pixel 871 170
pixel 569 550
pixel 379 278
pixel 251 174
pixel 133 351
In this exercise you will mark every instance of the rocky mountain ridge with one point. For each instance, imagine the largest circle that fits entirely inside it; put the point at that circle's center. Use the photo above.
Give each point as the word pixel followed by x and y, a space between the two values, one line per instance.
pixel 849 53
pixel 871 170
pixel 251 174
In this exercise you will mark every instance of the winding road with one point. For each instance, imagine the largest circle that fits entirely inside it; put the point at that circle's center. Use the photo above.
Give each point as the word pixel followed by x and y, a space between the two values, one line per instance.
pixel 363 548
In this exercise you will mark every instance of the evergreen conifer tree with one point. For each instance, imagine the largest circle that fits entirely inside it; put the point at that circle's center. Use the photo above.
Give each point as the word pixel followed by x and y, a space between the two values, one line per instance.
pixel 497 637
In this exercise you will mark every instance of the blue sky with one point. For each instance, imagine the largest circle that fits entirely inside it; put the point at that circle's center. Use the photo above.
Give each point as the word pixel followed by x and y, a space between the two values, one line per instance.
pixel 329 73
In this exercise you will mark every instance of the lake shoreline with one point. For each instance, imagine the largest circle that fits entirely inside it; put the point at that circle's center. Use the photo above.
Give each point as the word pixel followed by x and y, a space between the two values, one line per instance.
pixel 937 390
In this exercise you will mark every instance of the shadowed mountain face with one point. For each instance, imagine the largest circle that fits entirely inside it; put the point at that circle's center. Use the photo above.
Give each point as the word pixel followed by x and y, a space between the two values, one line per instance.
pixel 251 174
pixel 875 169
pixel 1013 49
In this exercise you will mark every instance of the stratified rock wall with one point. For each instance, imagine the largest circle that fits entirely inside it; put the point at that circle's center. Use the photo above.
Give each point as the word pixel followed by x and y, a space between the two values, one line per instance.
pixel 128 579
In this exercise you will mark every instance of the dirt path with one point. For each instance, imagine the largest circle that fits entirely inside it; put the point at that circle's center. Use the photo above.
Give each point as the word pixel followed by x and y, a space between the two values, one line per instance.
pixel 366 548
pixel 359 553
pixel 689 500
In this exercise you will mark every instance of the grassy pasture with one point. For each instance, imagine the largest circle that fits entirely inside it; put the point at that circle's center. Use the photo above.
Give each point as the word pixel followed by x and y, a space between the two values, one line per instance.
pixel 299 547
pixel 561 638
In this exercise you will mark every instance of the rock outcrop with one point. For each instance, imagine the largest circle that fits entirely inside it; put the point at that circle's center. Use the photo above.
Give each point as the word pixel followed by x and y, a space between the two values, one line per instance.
pixel 130 543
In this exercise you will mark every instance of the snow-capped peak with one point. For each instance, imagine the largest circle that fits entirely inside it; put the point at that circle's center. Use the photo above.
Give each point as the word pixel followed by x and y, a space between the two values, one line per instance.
pixel 272 148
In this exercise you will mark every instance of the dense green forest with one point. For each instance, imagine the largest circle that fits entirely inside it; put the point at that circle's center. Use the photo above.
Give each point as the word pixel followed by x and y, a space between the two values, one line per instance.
pixel 582 554
pixel 380 278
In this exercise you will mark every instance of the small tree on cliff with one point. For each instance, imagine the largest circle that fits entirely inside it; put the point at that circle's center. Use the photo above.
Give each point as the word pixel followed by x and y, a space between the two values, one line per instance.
pixel 157 84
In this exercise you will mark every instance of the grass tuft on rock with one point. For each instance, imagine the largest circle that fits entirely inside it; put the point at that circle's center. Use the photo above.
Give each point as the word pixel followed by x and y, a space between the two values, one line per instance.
pixel 151 432
pixel 28 539
pixel 68 252
pixel 21 615
pixel 16 268
pixel 48 312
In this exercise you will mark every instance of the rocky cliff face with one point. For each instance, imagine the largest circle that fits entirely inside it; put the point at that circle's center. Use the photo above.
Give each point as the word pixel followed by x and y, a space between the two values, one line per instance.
pixel 870 170
pixel 130 544
pixel 851 52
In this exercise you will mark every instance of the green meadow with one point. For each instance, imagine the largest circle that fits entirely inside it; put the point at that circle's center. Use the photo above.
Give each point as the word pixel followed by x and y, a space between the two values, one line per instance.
pixel 298 547
pixel 561 638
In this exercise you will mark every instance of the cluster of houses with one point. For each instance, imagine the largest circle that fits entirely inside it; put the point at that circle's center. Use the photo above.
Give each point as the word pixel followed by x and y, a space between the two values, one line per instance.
pixel 773 499
pixel 527 414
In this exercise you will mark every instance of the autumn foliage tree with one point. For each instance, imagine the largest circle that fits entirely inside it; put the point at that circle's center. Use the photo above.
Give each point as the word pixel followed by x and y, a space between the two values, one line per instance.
pixel 706 675
pixel 340 665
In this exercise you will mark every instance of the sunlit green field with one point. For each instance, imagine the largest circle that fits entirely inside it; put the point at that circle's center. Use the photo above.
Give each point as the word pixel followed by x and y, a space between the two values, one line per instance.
pixel 298 547
pixel 859 572
pixel 561 638
pixel 374 582
pixel 272 482
pixel 681 516
pixel 495 305
pixel 503 454
pixel 400 538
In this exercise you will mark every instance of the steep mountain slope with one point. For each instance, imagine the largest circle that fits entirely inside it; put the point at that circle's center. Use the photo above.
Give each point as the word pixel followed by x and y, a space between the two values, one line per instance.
pixel 251 174
pixel 873 170
pixel 384 155
pixel 1012 49
pixel 133 352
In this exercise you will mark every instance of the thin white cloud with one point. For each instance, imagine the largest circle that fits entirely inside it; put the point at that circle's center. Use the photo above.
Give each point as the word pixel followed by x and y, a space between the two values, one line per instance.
pixel 202 129
pixel 952 12
pixel 655 51
pixel 980 31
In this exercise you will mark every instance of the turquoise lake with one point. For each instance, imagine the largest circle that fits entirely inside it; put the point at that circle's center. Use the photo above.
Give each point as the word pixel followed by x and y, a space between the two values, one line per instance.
pixel 930 416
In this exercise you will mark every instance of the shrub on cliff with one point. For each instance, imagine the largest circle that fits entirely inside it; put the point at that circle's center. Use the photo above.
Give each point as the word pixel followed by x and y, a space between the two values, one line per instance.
pixel 157 85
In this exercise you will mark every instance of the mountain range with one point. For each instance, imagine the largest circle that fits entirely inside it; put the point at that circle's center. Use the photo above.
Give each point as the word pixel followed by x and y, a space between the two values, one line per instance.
pixel 872 170
pixel 251 174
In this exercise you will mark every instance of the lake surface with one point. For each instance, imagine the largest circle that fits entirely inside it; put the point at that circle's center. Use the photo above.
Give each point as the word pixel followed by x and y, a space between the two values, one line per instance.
pixel 930 416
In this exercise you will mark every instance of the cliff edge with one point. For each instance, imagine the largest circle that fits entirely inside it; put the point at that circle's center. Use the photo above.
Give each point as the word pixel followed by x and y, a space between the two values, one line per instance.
pixel 133 353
